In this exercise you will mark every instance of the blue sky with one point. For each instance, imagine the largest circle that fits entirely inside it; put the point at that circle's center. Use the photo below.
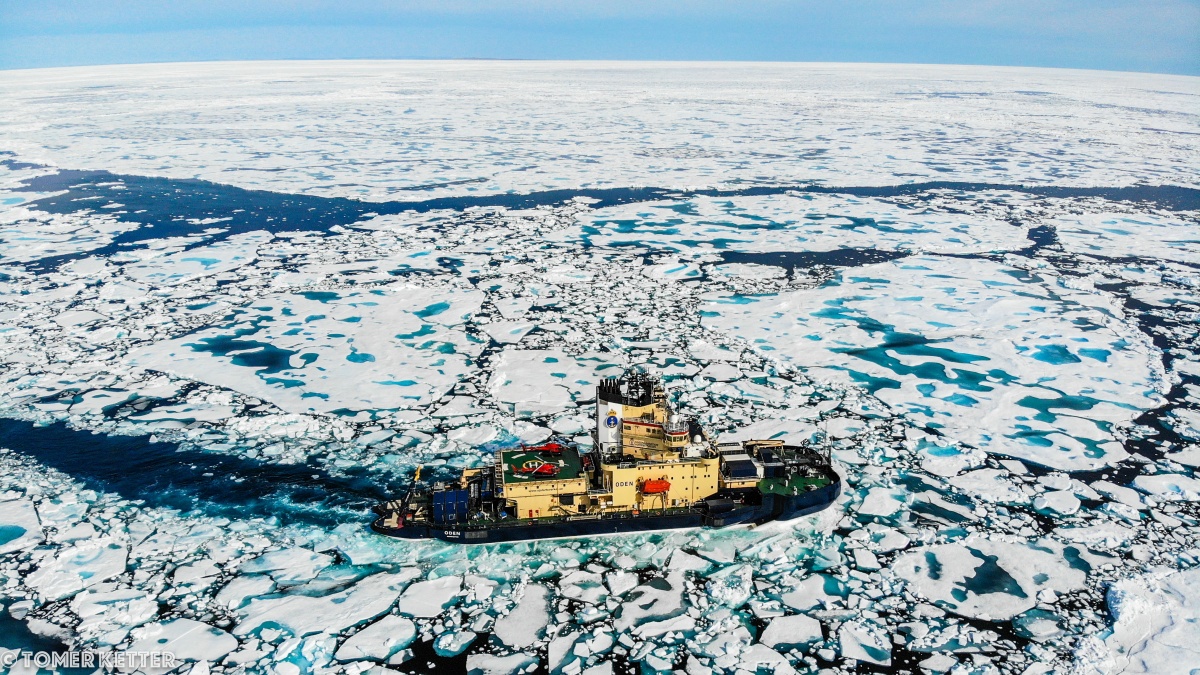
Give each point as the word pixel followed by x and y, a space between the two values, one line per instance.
pixel 1143 35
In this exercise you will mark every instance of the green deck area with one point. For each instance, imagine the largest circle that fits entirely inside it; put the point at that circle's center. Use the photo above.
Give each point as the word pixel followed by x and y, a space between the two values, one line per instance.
pixel 784 486
pixel 569 469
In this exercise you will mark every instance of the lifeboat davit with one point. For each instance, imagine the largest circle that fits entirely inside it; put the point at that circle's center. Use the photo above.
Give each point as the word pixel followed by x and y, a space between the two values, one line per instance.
pixel 657 486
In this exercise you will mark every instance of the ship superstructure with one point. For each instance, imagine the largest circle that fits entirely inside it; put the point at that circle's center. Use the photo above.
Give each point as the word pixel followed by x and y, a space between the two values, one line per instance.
pixel 647 468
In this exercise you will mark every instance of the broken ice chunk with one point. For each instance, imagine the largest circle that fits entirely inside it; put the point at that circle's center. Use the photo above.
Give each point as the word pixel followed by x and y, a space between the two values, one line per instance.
pixel 865 641
pixel 988 579
pixel 71 569
pixel 427 599
pixel 791 631
pixel 1157 623
pixel 1169 486
pixel 379 640
pixel 521 627
pixel 186 639
pixel 19 526
pixel 302 615
pixel 289 565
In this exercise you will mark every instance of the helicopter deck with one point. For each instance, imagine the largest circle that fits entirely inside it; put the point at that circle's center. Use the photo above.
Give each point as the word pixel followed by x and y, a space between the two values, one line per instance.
pixel 567 464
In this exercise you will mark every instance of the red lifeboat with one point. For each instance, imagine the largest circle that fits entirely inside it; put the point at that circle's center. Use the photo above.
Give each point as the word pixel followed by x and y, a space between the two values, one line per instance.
pixel 656 486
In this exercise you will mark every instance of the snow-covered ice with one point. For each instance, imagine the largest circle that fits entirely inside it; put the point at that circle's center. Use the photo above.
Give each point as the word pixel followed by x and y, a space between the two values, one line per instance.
pixel 1010 361
pixel 693 124
pixel 789 223
pixel 301 615
pixel 1005 375
pixel 186 639
pixel 1156 627
pixel 391 347
pixel 19 525
pixel 984 578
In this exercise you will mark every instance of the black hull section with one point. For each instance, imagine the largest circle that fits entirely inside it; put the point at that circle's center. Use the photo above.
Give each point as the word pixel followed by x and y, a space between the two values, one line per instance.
pixel 773 507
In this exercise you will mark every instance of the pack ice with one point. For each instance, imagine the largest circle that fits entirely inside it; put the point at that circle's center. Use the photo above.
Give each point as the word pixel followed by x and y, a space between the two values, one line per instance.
pixel 1013 361
pixel 1006 376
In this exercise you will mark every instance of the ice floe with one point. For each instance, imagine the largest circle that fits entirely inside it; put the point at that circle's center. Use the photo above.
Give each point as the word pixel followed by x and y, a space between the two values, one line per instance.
pixel 789 224
pixel 301 615
pixel 1001 359
pixel 19 525
pixel 186 639
pixel 388 348
pixel 380 640
pixel 1155 627
pixel 862 124
pixel 1118 235
pixel 983 578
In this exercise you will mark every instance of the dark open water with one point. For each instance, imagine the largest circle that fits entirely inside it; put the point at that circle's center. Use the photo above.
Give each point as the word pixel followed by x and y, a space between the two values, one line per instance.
pixel 164 205
pixel 162 475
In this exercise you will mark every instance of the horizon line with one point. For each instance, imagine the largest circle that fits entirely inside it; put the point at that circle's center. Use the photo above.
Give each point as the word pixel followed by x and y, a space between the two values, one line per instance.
pixel 418 59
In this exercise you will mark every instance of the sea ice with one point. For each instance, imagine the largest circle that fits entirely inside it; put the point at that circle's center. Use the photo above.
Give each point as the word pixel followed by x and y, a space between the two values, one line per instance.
pixel 1059 502
pixel 426 599
pixel 109 615
pixel 288 566
pixel 188 265
pixel 79 566
pixel 240 589
pixel 392 347
pixel 1185 422
pixel 992 485
pixel 453 642
pixel 1157 625
pixel 795 630
pixel 788 223
pixel 988 579
pixel 1169 486
pixel 882 503
pixel 863 124
pixel 981 340
pixel 27 235
pixel 19 526
pixel 1118 235
pixel 490 664
pixel 657 598
pixel 544 380
pixel 521 627
pixel 186 639
pixel 302 615
pixel 921 335
pixel 763 657
pixel 1100 537
pixel 865 641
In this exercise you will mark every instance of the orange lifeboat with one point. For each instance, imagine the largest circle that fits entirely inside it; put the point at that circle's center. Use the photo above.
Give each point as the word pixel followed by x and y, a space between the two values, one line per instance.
pixel 655 487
